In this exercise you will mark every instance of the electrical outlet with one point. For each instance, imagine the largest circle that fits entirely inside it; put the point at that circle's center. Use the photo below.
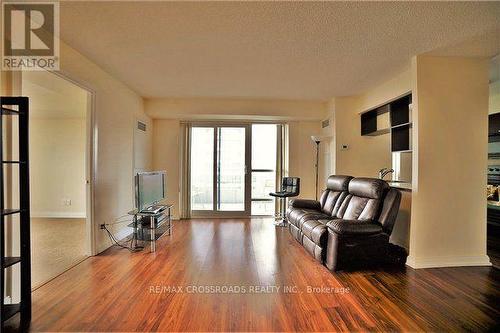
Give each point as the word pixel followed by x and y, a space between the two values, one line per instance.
pixel 66 202
pixel 103 226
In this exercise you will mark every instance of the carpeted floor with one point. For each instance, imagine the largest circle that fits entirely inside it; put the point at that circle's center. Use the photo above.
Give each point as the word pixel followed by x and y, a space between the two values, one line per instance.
pixel 56 245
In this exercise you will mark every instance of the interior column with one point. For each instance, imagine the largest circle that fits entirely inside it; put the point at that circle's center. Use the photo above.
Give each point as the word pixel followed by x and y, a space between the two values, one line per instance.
pixel 450 136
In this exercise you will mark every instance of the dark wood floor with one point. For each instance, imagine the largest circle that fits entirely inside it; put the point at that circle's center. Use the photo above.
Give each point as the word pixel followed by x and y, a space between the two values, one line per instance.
pixel 112 291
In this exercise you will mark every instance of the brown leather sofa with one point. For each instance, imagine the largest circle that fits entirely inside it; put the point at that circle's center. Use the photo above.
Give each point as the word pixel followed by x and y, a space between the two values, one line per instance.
pixel 350 223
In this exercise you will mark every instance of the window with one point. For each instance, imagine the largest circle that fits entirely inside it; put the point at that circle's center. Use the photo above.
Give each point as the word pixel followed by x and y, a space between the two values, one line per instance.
pixel 264 149
pixel 202 168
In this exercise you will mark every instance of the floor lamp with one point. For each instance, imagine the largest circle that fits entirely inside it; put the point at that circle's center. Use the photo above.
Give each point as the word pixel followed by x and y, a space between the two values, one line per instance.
pixel 317 140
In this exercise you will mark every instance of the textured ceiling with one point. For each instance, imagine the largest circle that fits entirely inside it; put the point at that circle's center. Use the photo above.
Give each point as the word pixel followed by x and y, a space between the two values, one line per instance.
pixel 290 50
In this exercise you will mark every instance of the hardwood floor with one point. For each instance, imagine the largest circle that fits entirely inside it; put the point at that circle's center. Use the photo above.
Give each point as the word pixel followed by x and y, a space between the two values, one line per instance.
pixel 116 291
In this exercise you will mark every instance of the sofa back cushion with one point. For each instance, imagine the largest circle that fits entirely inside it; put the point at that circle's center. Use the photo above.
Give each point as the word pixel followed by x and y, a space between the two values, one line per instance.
pixel 364 200
pixel 390 210
pixel 336 189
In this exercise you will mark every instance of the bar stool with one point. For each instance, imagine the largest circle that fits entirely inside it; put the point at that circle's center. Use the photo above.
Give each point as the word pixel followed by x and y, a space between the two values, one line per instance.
pixel 290 187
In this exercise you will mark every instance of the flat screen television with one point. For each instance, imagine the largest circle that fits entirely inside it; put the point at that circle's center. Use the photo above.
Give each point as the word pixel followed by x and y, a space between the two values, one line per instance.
pixel 150 189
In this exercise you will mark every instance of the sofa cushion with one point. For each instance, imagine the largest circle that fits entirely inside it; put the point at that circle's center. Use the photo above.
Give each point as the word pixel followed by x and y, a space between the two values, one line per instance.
pixel 316 251
pixel 338 183
pixel 315 230
pixel 330 201
pixel 297 216
pixel 354 227
pixel 305 203
pixel 311 216
pixel 368 188
pixel 296 233
pixel 338 204
pixel 359 208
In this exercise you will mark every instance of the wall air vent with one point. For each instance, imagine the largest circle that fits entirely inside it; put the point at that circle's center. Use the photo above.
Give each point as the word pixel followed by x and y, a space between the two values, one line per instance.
pixel 325 123
pixel 141 126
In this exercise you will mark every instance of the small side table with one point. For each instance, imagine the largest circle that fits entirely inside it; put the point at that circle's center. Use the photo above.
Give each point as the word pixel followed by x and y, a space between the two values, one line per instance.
pixel 150 227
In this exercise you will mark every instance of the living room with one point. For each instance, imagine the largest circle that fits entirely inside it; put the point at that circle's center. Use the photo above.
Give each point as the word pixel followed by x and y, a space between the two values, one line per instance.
pixel 376 112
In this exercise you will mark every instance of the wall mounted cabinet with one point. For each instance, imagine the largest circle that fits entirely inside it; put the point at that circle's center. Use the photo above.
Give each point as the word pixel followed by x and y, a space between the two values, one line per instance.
pixel 399 124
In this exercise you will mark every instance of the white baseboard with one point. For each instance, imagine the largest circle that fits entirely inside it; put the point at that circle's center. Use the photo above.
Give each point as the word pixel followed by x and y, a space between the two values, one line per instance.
pixel 448 261
pixel 59 215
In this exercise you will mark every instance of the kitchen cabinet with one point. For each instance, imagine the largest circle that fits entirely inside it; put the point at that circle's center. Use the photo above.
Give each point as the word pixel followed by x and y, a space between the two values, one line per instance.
pixel 494 127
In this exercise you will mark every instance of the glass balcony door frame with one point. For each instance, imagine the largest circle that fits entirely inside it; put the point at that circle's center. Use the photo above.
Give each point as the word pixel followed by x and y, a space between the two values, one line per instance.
pixel 248 186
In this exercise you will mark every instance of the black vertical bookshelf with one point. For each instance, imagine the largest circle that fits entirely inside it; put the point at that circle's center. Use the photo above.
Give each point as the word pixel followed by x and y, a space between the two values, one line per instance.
pixel 16 107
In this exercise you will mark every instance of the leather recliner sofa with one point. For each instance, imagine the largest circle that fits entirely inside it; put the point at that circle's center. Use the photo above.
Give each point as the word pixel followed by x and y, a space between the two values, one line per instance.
pixel 352 221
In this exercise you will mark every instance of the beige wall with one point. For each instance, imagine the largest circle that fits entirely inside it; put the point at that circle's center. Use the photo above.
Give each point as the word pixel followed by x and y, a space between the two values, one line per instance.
pixel 448 213
pixel 366 154
pixel 57 172
pixel 234 108
pixel 302 155
pixel 166 145
pixel 143 145
pixel 116 109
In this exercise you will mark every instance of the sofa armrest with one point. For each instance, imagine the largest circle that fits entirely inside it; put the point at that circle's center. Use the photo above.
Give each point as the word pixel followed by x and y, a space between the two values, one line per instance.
pixel 304 203
pixel 354 227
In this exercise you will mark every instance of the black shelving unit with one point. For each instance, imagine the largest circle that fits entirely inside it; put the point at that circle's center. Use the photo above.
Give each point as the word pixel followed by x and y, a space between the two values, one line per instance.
pixel 400 123
pixel 16 107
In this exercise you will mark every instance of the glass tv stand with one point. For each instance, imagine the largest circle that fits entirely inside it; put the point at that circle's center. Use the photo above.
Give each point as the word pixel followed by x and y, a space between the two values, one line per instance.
pixel 149 227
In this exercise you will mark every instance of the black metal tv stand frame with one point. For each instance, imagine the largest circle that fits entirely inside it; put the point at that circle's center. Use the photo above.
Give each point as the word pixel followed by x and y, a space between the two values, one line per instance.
pixel 149 227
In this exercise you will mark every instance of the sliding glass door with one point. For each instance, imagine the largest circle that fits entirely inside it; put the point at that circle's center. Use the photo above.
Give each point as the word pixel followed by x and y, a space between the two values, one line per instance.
pixel 219 163
pixel 233 168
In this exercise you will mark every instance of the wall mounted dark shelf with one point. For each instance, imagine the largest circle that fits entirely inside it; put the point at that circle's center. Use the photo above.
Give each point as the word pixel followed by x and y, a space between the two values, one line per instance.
pixel 19 107
pixel 400 123
pixel 379 132
pixel 400 138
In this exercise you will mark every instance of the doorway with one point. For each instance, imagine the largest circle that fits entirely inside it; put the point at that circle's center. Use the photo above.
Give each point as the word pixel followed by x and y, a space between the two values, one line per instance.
pixel 219 164
pixel 233 168
pixel 60 114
